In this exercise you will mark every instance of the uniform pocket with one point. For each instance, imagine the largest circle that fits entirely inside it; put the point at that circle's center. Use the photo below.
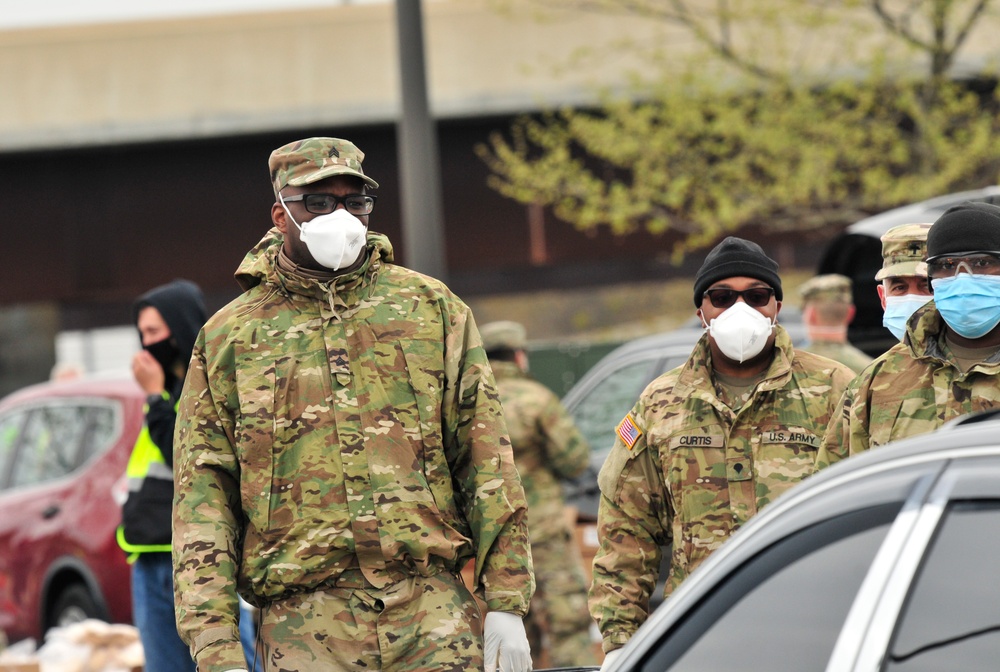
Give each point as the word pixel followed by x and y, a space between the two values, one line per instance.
pixel 698 478
pixel 785 454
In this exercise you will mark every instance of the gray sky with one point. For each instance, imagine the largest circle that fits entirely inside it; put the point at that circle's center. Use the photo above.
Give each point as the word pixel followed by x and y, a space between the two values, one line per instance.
pixel 30 13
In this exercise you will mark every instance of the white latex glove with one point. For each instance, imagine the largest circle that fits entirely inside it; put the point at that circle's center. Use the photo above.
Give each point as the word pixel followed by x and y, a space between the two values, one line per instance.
pixel 609 659
pixel 506 640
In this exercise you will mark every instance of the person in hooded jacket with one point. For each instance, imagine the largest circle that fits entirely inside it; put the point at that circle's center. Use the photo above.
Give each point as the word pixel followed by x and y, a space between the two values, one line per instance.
pixel 343 453
pixel 168 318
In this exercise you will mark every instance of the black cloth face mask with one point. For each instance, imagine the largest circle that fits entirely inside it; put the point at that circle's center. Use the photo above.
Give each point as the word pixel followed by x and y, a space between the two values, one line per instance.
pixel 166 354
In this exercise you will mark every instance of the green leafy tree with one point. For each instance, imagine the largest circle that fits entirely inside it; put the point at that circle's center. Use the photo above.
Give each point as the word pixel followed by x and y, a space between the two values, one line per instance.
pixel 743 134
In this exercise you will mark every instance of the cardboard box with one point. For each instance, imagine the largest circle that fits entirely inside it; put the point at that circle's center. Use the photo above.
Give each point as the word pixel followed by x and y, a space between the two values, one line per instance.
pixel 35 667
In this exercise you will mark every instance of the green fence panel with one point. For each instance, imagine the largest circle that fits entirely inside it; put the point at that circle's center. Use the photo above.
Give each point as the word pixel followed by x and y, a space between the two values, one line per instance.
pixel 559 364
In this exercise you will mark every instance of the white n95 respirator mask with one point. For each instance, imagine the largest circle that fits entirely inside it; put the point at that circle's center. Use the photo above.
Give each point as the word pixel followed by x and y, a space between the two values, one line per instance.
pixel 740 332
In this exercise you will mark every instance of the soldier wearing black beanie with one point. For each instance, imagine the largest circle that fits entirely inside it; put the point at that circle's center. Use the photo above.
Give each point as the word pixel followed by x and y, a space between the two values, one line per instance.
pixel 948 363
pixel 966 228
pixel 724 434
pixel 735 257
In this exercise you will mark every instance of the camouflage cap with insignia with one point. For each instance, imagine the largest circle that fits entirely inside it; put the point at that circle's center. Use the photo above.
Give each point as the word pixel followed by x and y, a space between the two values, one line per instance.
pixel 904 249
pixel 306 161
pixel 830 287
pixel 503 335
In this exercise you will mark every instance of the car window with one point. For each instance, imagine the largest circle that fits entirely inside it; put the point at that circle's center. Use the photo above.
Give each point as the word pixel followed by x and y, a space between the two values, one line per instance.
pixel 10 432
pixel 602 408
pixel 783 609
pixel 951 620
pixel 50 445
pixel 101 433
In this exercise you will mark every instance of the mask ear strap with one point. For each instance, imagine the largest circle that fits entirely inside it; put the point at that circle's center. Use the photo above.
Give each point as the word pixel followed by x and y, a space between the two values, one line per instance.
pixel 288 212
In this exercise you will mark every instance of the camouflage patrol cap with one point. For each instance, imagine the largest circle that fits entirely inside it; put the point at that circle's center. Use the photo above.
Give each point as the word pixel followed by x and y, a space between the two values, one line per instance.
pixel 904 249
pixel 829 287
pixel 313 159
pixel 503 335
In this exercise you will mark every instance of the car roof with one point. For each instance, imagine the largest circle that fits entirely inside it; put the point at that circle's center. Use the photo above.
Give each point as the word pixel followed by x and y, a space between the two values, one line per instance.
pixel 924 212
pixel 81 387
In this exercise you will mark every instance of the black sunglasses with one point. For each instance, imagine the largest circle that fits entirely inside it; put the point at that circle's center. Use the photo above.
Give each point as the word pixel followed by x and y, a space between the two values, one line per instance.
pixel 755 297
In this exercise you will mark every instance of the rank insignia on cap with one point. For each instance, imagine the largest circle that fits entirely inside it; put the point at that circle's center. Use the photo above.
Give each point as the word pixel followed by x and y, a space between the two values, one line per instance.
pixel 628 432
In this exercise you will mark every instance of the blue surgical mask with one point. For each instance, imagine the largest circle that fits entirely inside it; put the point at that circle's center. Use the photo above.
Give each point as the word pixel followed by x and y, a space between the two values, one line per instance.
pixel 899 309
pixel 970 304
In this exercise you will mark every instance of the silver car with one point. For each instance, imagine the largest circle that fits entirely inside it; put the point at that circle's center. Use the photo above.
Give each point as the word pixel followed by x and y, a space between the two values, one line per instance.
pixel 887 561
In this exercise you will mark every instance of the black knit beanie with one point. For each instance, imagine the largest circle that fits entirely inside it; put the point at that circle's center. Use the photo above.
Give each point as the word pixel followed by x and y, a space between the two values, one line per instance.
pixel 973 226
pixel 735 257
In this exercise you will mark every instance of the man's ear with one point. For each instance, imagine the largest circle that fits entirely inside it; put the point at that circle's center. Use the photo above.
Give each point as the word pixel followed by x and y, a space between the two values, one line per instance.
pixel 279 217
pixel 881 294
pixel 809 315
pixel 701 316
pixel 521 359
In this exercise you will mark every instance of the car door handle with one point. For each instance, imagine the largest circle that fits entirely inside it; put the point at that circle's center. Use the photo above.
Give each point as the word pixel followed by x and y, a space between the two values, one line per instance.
pixel 50 511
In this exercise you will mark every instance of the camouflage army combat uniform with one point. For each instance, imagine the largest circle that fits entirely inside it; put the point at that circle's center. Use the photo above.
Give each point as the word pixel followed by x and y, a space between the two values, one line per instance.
pixel 845 353
pixel 913 388
pixel 547 447
pixel 825 293
pixel 341 450
pixel 687 470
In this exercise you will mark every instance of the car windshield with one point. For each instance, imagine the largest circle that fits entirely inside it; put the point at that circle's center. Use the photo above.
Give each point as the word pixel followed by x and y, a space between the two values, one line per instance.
pixel 602 408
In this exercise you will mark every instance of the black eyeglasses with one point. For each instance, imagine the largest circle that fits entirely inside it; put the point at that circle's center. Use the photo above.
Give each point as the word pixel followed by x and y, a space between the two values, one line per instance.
pixel 975 263
pixel 755 297
pixel 324 204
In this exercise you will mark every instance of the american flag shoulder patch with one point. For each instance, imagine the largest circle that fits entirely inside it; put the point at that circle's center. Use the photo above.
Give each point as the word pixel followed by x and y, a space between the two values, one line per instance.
pixel 628 432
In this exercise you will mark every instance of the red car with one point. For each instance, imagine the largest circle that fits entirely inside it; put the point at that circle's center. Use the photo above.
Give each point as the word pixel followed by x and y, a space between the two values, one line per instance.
pixel 63 451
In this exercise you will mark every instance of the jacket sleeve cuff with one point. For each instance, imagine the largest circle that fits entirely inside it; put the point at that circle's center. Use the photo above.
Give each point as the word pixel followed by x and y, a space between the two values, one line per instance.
pixel 615 640
pixel 504 601
pixel 219 650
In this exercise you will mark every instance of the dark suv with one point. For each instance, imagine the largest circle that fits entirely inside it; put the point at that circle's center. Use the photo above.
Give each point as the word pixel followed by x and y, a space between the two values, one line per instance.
pixel 857 253
pixel 63 451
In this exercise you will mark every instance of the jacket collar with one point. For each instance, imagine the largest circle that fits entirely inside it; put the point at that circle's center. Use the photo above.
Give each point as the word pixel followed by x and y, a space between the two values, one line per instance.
pixel 260 267
pixel 925 337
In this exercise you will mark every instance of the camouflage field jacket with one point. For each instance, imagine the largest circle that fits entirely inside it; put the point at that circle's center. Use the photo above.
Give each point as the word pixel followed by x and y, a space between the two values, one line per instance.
pixel 913 388
pixel 330 426
pixel 547 447
pixel 687 470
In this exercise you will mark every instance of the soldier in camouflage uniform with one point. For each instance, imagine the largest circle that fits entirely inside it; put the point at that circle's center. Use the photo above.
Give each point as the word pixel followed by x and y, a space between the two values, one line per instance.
pixel 903 284
pixel 827 309
pixel 341 454
pixel 949 360
pixel 547 447
pixel 709 443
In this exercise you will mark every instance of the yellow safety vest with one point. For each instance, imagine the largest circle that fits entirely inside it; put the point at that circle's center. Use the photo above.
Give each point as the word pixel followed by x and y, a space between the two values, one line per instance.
pixel 145 462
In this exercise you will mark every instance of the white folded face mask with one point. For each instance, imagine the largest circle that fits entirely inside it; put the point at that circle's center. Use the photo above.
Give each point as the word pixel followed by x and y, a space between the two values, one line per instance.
pixel 740 332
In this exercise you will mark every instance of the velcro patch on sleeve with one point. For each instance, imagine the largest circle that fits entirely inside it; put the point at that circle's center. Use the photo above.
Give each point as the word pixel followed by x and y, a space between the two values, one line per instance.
pixel 628 432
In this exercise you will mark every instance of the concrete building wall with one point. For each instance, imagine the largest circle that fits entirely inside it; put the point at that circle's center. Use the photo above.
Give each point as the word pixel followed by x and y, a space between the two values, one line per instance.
pixel 338 66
